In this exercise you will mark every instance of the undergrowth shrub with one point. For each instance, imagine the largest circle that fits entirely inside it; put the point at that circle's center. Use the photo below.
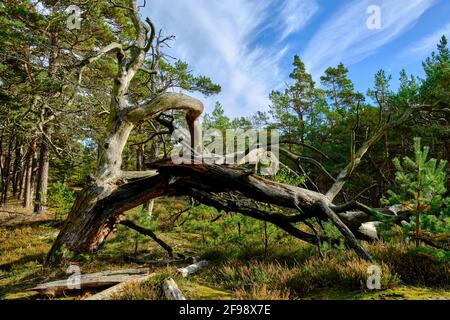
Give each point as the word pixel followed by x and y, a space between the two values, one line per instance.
pixel 61 199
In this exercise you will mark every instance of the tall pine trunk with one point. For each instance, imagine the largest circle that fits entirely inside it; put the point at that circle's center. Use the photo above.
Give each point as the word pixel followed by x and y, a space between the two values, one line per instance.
pixel 28 176
pixel 1 154
pixel 6 178
pixel 42 176
pixel 17 169
pixel 22 178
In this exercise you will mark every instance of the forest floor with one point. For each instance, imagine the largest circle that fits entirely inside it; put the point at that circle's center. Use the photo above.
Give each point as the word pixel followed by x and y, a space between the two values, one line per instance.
pixel 288 269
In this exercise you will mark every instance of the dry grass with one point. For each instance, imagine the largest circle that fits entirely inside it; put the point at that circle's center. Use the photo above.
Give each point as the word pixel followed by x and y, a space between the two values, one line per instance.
pixel 290 272
pixel 290 269
pixel 261 292
pixel 144 291
pixel 268 280
pixel 412 268
pixel 349 273
pixel 25 240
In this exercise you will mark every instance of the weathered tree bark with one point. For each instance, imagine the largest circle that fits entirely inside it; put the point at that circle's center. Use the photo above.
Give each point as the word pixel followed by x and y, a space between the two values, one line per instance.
pixel 140 157
pixel 148 208
pixel 34 168
pixel 99 206
pixel 42 176
pixel 351 239
pixel 46 132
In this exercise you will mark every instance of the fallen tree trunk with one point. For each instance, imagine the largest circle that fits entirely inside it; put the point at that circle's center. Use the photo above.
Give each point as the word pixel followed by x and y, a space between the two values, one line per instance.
pixel 93 280
pixel 193 268
pixel 171 290
pixel 85 231
pixel 116 290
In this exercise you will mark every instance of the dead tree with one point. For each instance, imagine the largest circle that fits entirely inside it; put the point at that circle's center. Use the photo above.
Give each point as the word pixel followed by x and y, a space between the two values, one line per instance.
pixel 82 230
pixel 111 192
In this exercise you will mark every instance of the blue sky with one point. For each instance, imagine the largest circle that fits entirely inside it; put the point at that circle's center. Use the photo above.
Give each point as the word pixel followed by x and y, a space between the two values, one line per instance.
pixel 247 46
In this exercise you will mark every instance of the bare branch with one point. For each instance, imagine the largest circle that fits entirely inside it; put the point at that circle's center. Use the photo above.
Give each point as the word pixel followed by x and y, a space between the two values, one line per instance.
pixel 159 133
pixel 348 235
pixel 149 233
pixel 297 159
pixel 284 141
pixel 113 47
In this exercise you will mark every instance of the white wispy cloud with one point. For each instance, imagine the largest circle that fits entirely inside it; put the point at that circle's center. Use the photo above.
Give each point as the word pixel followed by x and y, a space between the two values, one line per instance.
pixel 230 41
pixel 296 14
pixel 426 45
pixel 346 38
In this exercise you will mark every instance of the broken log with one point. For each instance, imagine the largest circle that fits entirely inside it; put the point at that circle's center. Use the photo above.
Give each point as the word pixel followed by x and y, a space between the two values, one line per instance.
pixel 171 290
pixel 109 293
pixel 93 280
pixel 192 268
pixel 207 184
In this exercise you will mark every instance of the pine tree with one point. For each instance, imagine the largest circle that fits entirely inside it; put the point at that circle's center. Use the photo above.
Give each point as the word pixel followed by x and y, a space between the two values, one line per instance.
pixel 435 92
pixel 302 94
pixel 381 90
pixel 422 189
pixel 217 119
pixel 340 90
pixel 292 107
